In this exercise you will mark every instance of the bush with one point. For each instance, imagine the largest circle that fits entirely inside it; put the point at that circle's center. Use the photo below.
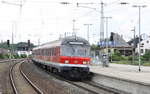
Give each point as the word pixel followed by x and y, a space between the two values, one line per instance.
pixel 7 55
pixel 16 56
pixel 146 64
pixel 117 57
pixel 2 56
pixel 130 58
pixel 23 56
pixel 146 56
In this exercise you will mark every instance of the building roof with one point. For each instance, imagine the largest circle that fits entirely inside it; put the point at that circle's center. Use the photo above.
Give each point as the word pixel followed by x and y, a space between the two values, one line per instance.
pixel 116 40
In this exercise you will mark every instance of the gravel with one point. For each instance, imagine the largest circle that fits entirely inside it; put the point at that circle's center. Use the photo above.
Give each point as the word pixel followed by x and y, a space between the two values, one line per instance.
pixel 5 86
pixel 49 84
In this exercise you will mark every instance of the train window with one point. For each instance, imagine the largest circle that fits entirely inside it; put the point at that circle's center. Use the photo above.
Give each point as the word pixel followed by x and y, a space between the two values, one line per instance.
pixel 47 52
pixel 50 52
pixel 42 52
pixel 57 51
pixel 54 51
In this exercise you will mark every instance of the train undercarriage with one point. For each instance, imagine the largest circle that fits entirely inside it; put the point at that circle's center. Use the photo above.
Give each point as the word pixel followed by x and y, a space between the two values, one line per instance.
pixel 71 73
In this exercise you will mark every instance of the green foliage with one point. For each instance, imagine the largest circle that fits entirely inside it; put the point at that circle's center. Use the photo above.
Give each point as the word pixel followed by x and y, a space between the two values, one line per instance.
pixel 14 46
pixel 143 63
pixel 7 55
pixel 2 56
pixel 23 56
pixel 147 64
pixel 117 57
pixel 4 45
pixel 121 62
pixel 16 56
pixel 145 59
pixel 130 58
pixel 146 56
pixel 117 53
pixel 94 47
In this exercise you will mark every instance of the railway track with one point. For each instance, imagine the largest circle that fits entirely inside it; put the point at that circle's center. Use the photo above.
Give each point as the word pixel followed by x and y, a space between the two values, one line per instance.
pixel 91 87
pixel 95 88
pixel 19 81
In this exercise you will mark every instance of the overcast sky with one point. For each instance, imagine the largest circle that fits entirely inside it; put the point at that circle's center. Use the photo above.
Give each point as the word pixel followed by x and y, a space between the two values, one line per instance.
pixel 46 20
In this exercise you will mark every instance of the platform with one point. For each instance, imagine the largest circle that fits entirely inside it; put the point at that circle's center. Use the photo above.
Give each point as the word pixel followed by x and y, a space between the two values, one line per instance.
pixel 124 77
pixel 128 72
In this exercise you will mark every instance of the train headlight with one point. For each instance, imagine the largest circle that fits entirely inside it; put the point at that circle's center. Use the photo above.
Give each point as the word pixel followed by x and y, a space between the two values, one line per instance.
pixel 84 62
pixel 66 61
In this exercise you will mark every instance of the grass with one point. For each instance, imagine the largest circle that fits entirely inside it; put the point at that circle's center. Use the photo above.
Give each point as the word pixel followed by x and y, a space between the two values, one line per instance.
pixel 144 63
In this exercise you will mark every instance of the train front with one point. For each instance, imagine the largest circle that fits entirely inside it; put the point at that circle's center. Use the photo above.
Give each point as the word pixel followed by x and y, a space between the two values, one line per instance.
pixel 75 58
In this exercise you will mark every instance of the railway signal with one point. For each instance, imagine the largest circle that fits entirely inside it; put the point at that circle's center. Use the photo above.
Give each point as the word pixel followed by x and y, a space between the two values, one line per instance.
pixel 28 43
pixel 8 43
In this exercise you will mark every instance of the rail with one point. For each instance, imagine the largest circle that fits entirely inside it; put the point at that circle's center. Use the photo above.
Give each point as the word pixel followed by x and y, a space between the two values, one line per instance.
pixel 26 78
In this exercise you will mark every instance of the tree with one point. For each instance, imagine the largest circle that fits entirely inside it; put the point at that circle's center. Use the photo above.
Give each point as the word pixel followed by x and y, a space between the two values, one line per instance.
pixel 94 47
pixel 146 56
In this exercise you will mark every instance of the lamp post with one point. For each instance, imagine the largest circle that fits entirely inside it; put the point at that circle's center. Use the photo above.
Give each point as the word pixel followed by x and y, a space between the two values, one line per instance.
pixel 106 18
pixel 106 42
pixel 139 7
pixel 133 50
pixel 88 27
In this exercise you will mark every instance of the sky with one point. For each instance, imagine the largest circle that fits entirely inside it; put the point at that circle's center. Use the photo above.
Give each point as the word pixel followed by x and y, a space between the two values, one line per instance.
pixel 42 21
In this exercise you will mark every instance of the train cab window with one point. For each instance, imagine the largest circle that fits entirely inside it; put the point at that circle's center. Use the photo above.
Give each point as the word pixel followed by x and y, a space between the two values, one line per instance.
pixel 75 50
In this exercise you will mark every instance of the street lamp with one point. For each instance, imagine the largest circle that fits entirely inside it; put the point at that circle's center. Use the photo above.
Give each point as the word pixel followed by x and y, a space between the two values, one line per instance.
pixel 88 27
pixel 133 50
pixel 107 33
pixel 139 7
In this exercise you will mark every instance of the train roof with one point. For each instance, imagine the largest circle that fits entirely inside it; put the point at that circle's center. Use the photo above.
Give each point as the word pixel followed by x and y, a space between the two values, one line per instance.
pixel 64 41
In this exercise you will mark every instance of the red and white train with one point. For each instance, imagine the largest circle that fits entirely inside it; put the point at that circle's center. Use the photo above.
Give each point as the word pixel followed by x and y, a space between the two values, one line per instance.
pixel 68 56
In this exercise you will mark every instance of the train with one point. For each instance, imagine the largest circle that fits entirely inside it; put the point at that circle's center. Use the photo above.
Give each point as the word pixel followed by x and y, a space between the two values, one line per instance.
pixel 68 57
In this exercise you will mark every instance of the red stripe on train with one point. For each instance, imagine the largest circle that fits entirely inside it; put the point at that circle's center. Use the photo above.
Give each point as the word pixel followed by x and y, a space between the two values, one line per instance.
pixel 74 60
pixel 62 59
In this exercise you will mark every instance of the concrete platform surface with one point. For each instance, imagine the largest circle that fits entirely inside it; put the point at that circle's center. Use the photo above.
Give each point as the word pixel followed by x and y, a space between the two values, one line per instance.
pixel 126 72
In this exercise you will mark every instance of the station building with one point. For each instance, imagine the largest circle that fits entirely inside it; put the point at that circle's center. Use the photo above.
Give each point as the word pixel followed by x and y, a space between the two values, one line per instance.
pixel 116 43
pixel 145 46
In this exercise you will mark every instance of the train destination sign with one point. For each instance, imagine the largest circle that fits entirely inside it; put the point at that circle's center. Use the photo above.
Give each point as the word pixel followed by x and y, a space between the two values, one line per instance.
pixel 76 43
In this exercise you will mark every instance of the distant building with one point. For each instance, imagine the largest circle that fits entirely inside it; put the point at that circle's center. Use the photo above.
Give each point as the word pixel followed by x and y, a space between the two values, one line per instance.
pixel 134 42
pixel 23 48
pixel 145 46
pixel 4 51
pixel 116 43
